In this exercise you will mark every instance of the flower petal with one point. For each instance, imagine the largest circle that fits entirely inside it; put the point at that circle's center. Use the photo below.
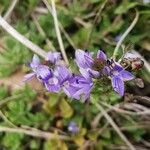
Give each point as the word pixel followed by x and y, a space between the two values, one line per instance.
pixel 52 85
pixel 85 73
pixel 28 76
pixel 53 57
pixel 35 61
pixel 94 74
pixel 126 75
pixel 62 73
pixel 73 127
pixel 117 67
pixel 78 87
pixel 89 73
pixel 118 85
pixel 43 72
pixel 101 55
pixel 106 71
pixel 83 59
pixel 70 90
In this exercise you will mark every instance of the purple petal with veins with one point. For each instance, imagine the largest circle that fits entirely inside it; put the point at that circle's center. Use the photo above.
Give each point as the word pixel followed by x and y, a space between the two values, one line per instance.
pixel 83 59
pixel 43 72
pixel 63 74
pixel 118 85
pixel 101 55
pixel 126 75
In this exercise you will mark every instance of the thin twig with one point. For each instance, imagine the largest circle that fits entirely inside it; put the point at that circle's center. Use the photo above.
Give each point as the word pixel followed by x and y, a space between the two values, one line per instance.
pixel 114 125
pixel 6 120
pixel 10 9
pixel 41 10
pixel 117 109
pixel 33 47
pixel 59 38
pixel 124 35
pixel 94 23
pixel 67 36
pixel 60 25
pixel 35 133
pixel 41 31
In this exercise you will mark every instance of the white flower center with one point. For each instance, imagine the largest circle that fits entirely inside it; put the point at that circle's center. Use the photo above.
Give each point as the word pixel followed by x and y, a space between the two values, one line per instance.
pixel 115 72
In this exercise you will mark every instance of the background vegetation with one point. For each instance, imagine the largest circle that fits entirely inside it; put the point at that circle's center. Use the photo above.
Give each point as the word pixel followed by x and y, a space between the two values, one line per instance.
pixel 84 24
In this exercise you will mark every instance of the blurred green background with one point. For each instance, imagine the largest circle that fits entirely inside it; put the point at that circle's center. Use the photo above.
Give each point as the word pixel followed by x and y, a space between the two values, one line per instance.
pixel 84 24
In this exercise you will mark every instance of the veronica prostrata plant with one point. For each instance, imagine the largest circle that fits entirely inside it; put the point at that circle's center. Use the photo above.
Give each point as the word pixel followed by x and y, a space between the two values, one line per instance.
pixel 56 76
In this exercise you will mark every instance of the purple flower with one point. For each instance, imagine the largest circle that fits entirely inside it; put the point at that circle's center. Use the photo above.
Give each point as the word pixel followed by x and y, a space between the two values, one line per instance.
pixel 53 57
pixel 84 59
pixel 118 76
pixel 63 74
pixel 73 127
pixel 60 79
pixel 79 87
pixel 42 72
pixel 89 67
pixel 75 86
pixel 52 84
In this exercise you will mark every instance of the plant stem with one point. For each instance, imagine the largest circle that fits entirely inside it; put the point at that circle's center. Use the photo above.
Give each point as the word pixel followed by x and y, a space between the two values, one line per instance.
pixel 10 9
pixel 35 133
pixel 124 35
pixel 114 125
pixel 33 47
pixel 54 13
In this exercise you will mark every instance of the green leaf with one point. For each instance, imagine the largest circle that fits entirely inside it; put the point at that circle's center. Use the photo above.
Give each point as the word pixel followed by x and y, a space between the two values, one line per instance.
pixel 3 91
pixel 125 6
pixel 106 134
pixel 13 140
pixel 55 145
pixel 66 109
pixel 93 135
pixel 53 99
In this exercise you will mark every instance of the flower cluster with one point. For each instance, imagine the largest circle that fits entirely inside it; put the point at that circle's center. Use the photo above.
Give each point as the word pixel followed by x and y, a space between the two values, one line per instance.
pixel 57 77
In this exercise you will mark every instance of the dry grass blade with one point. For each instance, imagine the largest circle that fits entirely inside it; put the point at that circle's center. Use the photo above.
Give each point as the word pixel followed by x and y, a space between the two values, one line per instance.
pixel 96 19
pixel 10 9
pixel 49 9
pixel 6 120
pixel 35 133
pixel 124 35
pixel 33 47
pixel 114 125
pixel 41 31
pixel 56 23
pixel 119 110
